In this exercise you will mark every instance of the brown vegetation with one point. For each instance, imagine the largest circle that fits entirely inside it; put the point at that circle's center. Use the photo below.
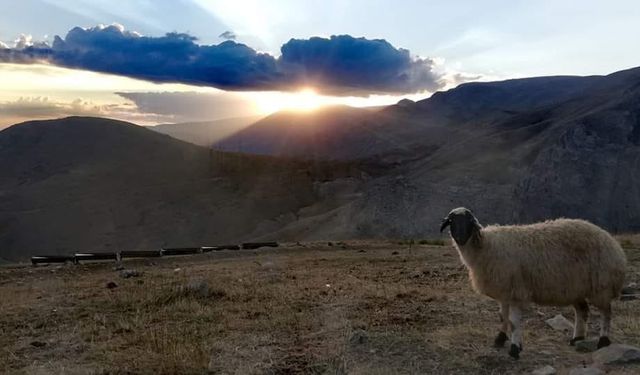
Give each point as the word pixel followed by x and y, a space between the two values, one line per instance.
pixel 356 307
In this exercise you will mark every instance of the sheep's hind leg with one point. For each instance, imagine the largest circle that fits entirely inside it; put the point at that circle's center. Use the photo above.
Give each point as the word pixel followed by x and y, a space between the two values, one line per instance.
pixel 580 327
pixel 515 316
pixel 502 337
pixel 605 325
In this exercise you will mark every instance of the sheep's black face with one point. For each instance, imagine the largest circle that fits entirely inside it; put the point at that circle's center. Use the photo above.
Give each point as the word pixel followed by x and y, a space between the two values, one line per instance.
pixel 462 225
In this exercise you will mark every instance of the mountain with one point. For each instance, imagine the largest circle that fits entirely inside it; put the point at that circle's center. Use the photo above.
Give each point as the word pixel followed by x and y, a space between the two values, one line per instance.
pixel 515 151
pixel 84 184
pixel 205 133
pixel 334 133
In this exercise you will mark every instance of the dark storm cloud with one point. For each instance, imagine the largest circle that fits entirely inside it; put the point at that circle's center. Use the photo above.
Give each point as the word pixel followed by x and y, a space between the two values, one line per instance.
pixel 345 63
pixel 340 65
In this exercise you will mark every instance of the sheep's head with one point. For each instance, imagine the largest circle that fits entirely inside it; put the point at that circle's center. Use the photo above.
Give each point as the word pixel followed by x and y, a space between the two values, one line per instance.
pixel 462 225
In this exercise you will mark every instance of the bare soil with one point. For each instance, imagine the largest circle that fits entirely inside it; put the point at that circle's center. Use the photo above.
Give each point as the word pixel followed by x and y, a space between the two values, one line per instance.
pixel 355 307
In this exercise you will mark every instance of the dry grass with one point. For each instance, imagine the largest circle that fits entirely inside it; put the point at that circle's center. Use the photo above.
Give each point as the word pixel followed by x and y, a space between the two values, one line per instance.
pixel 357 309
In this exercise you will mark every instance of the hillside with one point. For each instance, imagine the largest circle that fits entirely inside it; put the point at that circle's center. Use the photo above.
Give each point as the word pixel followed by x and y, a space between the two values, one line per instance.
pixel 80 184
pixel 561 147
pixel 570 148
pixel 205 133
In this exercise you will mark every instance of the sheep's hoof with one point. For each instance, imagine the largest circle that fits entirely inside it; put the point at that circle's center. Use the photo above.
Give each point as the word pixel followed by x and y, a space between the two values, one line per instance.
pixel 514 351
pixel 603 341
pixel 500 340
pixel 574 340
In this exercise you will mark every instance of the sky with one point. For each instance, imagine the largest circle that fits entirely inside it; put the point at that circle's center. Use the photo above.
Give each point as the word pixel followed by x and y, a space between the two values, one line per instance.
pixel 161 61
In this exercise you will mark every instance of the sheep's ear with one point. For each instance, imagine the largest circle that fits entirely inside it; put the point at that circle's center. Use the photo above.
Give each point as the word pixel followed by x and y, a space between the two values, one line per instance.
pixel 476 223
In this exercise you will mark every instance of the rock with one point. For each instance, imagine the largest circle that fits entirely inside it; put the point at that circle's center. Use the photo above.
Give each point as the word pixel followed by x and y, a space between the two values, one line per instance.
pixel 629 297
pixel 395 253
pixel 125 274
pixel 38 344
pixel 359 337
pixel 560 323
pixel 617 354
pixel 197 288
pixel 586 371
pixel 177 269
pixel 111 285
pixel 546 370
pixel 587 346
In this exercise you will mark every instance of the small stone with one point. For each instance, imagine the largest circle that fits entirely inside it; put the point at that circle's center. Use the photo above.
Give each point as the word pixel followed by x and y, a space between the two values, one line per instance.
pixel 617 354
pixel 395 253
pixel 586 371
pixel 38 344
pixel 587 346
pixel 560 323
pixel 111 285
pixel 545 352
pixel 198 288
pixel 177 269
pixel 629 297
pixel 125 274
pixel 359 337
pixel 546 370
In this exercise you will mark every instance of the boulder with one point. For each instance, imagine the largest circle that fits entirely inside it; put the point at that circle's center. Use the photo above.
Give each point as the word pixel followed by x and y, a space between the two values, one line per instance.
pixel 546 370
pixel 586 371
pixel 617 354
pixel 587 346
pixel 560 323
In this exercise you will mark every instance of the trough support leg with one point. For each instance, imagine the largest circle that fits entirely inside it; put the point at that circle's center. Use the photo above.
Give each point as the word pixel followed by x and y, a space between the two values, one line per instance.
pixel 515 317
pixel 605 325
pixel 580 325
pixel 504 326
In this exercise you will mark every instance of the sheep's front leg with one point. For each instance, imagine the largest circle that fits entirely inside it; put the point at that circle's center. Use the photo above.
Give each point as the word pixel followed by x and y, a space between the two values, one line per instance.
pixel 504 327
pixel 515 317
pixel 580 327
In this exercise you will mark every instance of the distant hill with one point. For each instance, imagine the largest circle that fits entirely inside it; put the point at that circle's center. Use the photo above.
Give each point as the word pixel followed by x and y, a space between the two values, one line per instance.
pixel 206 133
pixel 515 151
pixel 80 184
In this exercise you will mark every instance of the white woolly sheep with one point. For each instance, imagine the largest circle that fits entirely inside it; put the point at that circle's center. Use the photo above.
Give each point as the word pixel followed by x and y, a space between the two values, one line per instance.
pixel 563 262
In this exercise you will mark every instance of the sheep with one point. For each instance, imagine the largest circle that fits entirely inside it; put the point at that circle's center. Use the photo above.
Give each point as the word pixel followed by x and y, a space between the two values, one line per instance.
pixel 562 262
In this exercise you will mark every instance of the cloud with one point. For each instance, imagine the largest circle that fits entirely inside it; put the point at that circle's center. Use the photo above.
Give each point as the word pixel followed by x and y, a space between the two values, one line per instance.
pixel 29 108
pixel 228 35
pixel 139 107
pixel 191 106
pixel 347 64
pixel 340 65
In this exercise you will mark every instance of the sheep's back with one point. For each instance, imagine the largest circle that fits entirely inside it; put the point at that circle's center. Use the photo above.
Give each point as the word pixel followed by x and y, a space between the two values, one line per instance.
pixel 555 263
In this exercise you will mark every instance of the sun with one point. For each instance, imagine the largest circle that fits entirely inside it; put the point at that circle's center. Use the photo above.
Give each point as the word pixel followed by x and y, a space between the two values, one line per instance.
pixel 304 100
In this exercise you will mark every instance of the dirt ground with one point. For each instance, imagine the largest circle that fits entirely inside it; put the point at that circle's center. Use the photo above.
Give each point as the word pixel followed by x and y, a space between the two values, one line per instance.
pixel 354 307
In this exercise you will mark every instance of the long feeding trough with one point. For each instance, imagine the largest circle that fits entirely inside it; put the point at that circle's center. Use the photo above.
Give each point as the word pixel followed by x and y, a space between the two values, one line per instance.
pixel 118 256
